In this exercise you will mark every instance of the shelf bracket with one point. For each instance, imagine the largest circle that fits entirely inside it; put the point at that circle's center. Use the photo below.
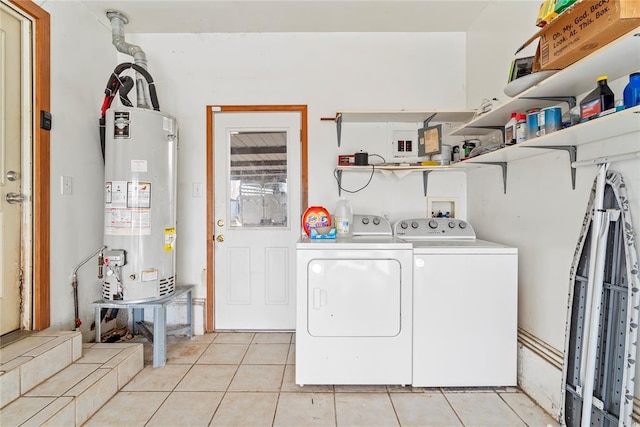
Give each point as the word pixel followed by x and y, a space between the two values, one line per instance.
pixel 500 128
pixel 425 180
pixel 572 151
pixel 339 178
pixel 339 127
pixel 426 121
pixel 503 165
pixel 570 100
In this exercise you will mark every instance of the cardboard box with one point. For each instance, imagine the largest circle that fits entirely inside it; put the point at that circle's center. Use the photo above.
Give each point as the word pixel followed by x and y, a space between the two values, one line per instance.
pixel 582 29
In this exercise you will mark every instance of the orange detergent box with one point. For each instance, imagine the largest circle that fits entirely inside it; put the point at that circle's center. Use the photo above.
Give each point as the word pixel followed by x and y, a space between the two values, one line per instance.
pixel 582 29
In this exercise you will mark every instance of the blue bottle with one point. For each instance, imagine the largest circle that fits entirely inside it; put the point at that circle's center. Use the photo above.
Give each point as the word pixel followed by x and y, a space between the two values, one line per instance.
pixel 631 94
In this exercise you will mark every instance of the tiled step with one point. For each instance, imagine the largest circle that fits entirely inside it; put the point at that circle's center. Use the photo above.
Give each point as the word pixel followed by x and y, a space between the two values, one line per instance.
pixel 77 391
pixel 26 363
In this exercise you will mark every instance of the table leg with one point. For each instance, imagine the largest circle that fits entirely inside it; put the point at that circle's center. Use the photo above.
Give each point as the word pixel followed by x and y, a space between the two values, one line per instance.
pixel 97 328
pixel 189 314
pixel 138 316
pixel 159 336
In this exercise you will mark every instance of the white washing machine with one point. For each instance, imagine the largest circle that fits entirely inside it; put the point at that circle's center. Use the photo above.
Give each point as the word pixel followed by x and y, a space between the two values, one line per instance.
pixel 354 307
pixel 465 299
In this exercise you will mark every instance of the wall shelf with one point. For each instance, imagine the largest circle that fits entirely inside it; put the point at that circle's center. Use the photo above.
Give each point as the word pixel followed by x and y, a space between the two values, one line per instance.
pixel 399 116
pixel 622 123
pixel 615 60
pixel 398 170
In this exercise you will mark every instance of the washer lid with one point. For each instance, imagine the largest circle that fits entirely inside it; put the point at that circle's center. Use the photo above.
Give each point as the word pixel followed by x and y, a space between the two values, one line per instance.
pixel 460 246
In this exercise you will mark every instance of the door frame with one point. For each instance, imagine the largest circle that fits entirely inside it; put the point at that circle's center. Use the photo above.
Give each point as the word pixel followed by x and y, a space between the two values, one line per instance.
pixel 40 305
pixel 211 111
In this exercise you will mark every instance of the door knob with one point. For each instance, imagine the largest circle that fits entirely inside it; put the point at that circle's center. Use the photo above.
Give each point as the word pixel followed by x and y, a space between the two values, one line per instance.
pixel 12 175
pixel 220 238
pixel 15 198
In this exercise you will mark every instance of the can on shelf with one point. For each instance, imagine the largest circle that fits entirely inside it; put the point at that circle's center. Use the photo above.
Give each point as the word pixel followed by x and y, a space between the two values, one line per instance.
pixel 533 129
pixel 550 120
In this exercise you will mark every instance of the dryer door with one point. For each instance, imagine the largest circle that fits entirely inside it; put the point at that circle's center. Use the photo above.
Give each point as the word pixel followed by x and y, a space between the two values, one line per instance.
pixel 353 297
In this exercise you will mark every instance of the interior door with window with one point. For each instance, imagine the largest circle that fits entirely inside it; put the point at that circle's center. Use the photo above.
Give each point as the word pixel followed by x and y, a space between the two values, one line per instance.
pixel 13 91
pixel 257 208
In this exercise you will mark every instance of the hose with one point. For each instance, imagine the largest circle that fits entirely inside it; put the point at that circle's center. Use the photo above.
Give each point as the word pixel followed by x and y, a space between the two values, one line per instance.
pixel 122 86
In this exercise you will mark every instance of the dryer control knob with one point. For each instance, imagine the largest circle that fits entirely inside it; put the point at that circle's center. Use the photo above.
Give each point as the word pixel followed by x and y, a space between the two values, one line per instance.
pixel 462 225
pixel 365 220
pixel 452 224
pixel 414 224
pixel 376 220
pixel 433 224
pixel 403 225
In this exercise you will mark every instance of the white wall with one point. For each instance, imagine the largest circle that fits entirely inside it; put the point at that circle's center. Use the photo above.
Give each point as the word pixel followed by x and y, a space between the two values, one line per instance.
pixel 540 214
pixel 81 60
pixel 327 72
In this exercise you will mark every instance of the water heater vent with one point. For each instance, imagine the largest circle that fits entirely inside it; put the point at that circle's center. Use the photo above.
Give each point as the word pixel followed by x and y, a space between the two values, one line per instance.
pixel 167 286
pixel 107 292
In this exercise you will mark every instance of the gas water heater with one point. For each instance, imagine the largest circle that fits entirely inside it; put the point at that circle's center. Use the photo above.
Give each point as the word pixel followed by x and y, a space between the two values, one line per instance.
pixel 140 152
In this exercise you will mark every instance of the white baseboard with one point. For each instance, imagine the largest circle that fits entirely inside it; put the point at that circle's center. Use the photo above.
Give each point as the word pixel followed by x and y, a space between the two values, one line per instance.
pixel 540 374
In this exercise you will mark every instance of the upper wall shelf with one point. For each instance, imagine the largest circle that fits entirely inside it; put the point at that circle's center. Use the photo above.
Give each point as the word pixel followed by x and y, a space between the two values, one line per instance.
pixel 400 116
pixel 615 60
pixel 405 116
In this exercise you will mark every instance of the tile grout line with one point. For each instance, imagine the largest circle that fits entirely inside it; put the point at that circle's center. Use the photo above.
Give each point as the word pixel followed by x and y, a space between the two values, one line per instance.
pixel 284 369
pixel 512 409
pixel 451 406
pixel 395 411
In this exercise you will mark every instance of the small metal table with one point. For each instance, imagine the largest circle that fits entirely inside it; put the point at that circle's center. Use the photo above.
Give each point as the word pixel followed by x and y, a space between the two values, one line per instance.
pixel 157 338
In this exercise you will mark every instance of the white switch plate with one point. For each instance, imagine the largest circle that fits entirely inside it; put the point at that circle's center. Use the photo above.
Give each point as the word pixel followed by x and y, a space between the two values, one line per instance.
pixel 197 189
pixel 66 185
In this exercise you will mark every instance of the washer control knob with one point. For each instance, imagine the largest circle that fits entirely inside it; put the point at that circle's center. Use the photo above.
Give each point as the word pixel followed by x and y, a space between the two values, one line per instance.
pixel 376 220
pixel 433 224
pixel 414 224
pixel 462 225
pixel 452 224
pixel 365 220
pixel 403 225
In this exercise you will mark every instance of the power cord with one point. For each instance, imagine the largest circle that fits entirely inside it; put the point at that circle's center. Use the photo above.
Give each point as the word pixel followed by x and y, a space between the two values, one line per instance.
pixel 373 169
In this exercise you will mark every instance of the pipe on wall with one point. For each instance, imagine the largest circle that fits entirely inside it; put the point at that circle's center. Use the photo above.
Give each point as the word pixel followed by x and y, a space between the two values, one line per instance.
pixel 118 21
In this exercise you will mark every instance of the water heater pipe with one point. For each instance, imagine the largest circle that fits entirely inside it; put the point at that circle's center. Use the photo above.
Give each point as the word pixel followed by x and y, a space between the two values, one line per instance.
pixel 74 282
pixel 118 21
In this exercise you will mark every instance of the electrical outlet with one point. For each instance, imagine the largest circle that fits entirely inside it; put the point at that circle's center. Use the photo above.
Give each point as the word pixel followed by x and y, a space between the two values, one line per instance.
pixel 66 186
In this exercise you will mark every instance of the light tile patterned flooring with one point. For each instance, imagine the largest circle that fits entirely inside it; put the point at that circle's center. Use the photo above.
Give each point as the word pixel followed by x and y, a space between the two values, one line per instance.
pixel 248 379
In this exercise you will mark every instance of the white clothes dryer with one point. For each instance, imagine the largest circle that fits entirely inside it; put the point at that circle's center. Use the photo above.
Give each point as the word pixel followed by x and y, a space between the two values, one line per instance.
pixel 465 299
pixel 354 307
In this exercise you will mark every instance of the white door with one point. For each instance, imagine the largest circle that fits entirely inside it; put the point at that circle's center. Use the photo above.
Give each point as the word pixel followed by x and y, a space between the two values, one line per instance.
pixel 13 91
pixel 354 297
pixel 256 219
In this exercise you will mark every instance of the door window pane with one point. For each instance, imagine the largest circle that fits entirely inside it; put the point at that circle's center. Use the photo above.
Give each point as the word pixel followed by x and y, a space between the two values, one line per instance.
pixel 258 179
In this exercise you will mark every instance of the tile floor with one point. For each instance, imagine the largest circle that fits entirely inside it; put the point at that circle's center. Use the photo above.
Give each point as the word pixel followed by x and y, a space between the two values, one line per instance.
pixel 247 379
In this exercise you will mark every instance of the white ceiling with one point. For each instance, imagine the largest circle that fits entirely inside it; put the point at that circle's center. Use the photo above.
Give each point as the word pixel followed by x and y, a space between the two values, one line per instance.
pixel 223 16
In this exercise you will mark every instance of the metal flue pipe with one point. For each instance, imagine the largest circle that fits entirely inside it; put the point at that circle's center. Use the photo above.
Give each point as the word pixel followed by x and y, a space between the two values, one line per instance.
pixel 118 21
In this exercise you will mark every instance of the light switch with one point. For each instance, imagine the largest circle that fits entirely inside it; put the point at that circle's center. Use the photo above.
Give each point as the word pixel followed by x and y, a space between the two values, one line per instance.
pixel 66 185
pixel 197 189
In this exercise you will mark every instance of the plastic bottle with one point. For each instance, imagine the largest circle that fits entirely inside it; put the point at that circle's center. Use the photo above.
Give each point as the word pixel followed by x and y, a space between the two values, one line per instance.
pixel 599 100
pixel 521 128
pixel 631 94
pixel 510 130
pixel 343 218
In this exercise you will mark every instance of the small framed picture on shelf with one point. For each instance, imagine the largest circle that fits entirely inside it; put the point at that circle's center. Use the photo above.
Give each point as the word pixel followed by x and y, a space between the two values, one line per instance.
pixel 520 67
